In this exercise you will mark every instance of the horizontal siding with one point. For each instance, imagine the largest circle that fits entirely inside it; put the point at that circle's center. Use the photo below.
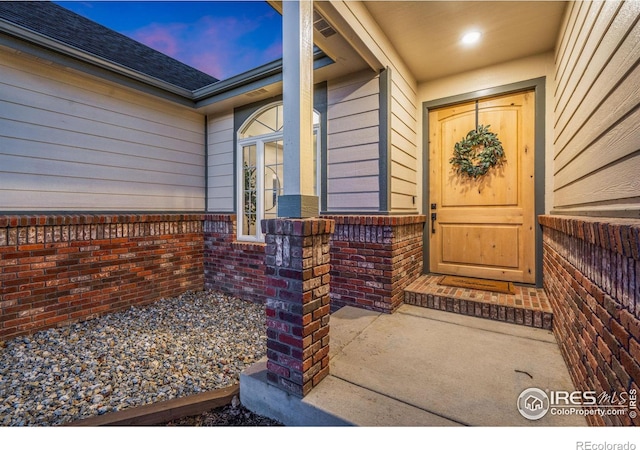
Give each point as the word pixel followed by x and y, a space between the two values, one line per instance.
pixel 403 146
pixel 403 202
pixel 352 143
pixel 355 184
pixel 597 17
pixel 615 54
pixel 85 151
pixel 77 87
pixel 70 142
pixel 597 110
pixel 404 159
pixel 614 107
pixel 139 200
pixel 220 171
pixel 615 182
pixel 614 145
pixel 347 202
pixel 13 114
pixel 403 115
pixel 368 134
pixel 404 173
pixel 354 169
pixel 356 121
pixel 349 107
pixel 88 171
pixel 404 163
pixel 402 140
pixel 84 107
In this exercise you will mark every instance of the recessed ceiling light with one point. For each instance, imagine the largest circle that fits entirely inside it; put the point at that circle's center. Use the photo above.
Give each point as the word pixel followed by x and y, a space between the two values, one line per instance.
pixel 471 38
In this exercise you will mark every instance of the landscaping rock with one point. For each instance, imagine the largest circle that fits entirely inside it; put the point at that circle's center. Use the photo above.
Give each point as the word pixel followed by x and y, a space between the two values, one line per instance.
pixel 175 347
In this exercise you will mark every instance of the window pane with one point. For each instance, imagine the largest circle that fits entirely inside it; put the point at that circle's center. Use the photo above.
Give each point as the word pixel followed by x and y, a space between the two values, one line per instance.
pixel 249 190
pixel 315 162
pixel 256 128
pixel 273 171
pixel 269 121
pixel 279 118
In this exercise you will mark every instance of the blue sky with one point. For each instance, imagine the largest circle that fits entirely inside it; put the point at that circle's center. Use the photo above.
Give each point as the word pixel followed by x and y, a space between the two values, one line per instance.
pixel 221 38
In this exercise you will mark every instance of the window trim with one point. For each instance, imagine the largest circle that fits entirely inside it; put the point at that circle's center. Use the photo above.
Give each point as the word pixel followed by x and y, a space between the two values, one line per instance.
pixel 259 141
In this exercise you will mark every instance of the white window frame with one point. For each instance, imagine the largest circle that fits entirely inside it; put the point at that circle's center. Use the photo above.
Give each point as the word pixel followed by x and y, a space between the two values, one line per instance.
pixel 259 142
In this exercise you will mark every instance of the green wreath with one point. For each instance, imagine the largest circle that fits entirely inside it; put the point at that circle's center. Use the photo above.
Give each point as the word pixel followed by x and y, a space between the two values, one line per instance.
pixel 478 152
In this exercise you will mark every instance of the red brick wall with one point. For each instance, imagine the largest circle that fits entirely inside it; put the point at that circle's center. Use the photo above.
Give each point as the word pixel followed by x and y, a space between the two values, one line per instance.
pixel 57 269
pixel 236 268
pixel 591 276
pixel 373 259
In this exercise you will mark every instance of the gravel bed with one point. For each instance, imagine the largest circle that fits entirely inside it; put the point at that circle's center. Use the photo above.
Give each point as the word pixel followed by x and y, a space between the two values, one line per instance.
pixel 175 347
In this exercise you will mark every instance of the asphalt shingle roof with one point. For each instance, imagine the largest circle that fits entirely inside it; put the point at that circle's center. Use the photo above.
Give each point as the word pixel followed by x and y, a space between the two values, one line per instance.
pixel 58 23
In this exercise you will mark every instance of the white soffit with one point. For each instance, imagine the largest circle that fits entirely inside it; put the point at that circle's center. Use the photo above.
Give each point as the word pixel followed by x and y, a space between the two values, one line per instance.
pixel 427 34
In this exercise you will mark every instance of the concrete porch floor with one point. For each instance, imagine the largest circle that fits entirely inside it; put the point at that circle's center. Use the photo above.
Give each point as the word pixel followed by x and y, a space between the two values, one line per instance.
pixel 420 367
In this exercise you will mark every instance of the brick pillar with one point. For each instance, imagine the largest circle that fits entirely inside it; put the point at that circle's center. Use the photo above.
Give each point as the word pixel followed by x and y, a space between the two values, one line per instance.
pixel 297 277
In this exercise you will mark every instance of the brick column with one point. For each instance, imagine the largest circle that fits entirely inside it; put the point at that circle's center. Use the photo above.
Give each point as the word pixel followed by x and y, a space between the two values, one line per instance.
pixel 297 277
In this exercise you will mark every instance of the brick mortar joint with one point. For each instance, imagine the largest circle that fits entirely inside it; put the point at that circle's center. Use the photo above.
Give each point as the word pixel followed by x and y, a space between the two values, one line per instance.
pixel 315 226
pixel 562 273
pixel 220 217
pixel 371 220
pixel 258 247
pixel 625 233
pixel 31 220
pixel 564 304
pixel 82 232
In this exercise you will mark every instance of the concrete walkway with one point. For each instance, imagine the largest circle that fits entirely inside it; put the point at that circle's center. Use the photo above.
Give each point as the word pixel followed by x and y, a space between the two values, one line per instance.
pixel 420 367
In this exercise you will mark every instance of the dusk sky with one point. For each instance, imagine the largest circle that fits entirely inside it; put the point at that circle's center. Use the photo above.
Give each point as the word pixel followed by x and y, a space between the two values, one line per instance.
pixel 221 38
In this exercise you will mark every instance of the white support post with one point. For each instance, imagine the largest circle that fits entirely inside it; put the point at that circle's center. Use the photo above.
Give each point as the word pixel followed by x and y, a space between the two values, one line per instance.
pixel 299 199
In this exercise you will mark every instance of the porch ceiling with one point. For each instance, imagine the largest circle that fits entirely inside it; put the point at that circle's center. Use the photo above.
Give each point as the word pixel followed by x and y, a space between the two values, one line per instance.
pixel 427 34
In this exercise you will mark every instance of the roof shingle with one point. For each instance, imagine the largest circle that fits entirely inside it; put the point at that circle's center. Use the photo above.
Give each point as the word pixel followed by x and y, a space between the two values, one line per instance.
pixel 56 22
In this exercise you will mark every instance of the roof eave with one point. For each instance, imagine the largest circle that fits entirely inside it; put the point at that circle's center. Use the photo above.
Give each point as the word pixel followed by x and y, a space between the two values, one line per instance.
pixel 26 40
pixel 75 53
pixel 250 80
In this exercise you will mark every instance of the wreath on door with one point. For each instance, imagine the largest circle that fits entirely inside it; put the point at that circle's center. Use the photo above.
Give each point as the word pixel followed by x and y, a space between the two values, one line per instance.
pixel 478 152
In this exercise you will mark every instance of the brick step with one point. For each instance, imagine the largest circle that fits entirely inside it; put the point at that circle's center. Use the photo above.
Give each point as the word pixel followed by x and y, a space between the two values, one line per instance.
pixel 529 306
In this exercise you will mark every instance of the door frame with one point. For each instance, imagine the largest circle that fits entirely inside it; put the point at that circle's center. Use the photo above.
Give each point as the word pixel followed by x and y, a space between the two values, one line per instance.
pixel 538 85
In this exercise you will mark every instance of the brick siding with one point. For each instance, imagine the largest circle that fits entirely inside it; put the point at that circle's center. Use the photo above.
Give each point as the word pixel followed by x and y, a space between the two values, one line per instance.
pixel 591 276
pixel 58 269
pixel 373 259
pixel 234 267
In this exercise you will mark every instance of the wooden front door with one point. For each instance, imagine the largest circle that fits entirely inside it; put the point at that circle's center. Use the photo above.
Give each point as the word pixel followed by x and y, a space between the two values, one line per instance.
pixel 484 227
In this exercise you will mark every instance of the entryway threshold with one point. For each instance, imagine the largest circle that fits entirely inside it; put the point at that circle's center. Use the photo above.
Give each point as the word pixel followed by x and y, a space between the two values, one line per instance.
pixel 528 306
pixel 420 367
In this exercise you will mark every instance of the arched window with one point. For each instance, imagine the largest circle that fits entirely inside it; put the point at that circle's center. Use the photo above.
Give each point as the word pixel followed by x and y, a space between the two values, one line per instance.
pixel 261 170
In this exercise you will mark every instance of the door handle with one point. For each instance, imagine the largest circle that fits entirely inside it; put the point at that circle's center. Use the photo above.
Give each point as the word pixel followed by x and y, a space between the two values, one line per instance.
pixel 434 216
